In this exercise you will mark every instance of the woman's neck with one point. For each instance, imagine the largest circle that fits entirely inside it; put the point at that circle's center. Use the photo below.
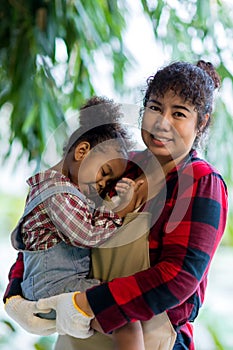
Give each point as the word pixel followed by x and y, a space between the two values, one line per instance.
pixel 155 176
pixel 171 164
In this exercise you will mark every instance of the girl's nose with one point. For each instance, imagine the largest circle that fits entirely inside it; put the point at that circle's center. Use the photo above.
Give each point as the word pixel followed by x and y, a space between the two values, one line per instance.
pixel 102 184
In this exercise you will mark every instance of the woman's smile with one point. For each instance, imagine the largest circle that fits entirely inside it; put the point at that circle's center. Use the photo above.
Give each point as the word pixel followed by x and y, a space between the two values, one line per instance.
pixel 160 141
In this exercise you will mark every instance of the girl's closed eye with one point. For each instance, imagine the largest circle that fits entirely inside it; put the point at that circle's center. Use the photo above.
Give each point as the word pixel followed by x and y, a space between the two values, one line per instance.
pixel 103 172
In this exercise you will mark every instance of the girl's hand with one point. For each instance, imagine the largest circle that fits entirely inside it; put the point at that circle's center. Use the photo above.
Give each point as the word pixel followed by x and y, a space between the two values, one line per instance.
pixel 127 190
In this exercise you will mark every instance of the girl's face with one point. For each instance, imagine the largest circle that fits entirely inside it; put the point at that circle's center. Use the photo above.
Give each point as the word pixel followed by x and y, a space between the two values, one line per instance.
pixel 169 127
pixel 97 169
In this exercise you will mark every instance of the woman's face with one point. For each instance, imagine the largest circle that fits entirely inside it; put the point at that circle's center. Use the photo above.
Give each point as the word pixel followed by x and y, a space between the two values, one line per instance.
pixel 169 127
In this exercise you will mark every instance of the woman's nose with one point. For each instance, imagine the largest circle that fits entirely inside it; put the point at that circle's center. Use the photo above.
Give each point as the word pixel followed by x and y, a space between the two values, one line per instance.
pixel 163 121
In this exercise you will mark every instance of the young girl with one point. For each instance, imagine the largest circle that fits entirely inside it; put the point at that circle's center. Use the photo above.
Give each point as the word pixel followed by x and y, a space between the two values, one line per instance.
pixel 61 221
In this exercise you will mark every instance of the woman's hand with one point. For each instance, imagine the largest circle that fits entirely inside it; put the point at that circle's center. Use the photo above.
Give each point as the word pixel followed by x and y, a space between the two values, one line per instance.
pixel 74 314
pixel 24 313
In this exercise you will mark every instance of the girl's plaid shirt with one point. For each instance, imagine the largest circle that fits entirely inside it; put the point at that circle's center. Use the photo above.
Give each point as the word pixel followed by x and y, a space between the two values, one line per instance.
pixel 64 217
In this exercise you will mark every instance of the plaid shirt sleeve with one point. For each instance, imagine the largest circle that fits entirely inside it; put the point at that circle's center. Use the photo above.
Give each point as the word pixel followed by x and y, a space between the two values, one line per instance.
pixel 15 277
pixel 77 224
pixel 188 245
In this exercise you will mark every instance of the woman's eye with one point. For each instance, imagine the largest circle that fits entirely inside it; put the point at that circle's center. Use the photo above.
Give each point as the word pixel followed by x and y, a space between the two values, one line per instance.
pixel 179 115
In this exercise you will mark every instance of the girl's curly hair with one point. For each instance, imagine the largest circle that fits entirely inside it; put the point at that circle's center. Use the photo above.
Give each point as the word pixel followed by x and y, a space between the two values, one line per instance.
pixel 99 121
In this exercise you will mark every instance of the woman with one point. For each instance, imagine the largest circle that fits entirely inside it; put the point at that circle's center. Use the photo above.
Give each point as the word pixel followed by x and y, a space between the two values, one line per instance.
pixel 189 215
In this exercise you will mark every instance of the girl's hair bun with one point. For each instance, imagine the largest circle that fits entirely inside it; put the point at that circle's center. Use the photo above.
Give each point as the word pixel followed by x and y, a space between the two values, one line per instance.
pixel 99 111
pixel 99 121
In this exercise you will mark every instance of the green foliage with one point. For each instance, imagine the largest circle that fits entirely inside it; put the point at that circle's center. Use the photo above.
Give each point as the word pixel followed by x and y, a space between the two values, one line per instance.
pixel 7 330
pixel 218 331
pixel 11 208
pixel 31 35
pixel 8 324
pixel 45 343
pixel 228 236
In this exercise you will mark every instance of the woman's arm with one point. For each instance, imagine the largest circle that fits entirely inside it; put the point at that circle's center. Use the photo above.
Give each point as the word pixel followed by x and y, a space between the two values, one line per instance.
pixel 15 277
pixel 190 238
pixel 191 225
pixel 191 230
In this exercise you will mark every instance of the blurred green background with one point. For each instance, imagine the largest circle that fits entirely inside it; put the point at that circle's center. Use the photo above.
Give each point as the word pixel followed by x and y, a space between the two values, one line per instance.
pixel 54 54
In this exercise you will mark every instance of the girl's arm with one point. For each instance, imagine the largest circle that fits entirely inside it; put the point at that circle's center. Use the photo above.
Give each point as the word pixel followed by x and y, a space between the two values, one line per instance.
pixel 78 225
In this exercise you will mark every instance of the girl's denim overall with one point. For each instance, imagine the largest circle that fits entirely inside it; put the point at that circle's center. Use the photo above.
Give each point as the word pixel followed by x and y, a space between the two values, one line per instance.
pixel 60 269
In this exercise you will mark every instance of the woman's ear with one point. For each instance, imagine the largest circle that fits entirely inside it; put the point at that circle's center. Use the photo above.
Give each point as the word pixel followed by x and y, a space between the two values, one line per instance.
pixel 205 121
pixel 81 150
pixel 203 124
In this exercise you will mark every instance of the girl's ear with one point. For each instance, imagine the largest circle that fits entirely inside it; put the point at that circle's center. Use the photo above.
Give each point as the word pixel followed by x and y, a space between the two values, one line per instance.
pixel 81 150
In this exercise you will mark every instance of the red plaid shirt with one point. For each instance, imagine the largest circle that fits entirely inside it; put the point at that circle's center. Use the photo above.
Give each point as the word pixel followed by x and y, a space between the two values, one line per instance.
pixel 64 217
pixel 183 241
